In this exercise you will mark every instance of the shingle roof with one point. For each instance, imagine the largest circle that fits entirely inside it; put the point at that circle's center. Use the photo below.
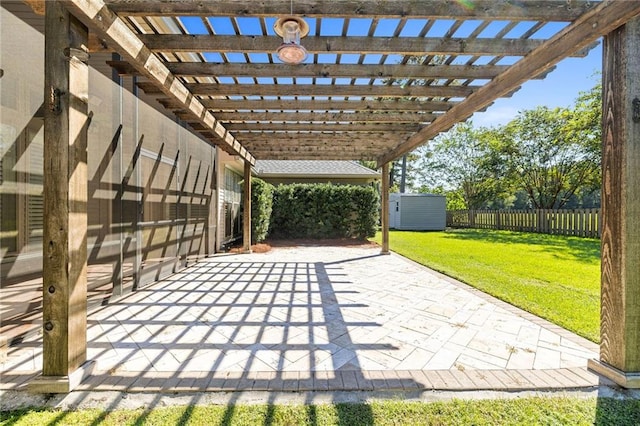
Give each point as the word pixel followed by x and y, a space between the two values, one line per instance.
pixel 312 168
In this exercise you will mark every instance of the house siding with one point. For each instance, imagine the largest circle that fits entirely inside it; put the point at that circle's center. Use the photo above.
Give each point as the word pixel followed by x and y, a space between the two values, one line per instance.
pixel 150 182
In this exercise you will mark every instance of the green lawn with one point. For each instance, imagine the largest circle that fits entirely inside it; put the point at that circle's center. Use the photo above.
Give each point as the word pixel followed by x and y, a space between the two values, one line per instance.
pixel 554 277
pixel 519 411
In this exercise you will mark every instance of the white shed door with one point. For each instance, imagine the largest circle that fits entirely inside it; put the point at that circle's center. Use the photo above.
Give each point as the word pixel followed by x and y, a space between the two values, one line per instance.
pixel 394 214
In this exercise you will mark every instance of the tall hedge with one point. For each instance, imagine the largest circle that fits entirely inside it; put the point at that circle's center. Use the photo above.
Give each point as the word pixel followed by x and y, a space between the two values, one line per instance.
pixel 261 207
pixel 324 211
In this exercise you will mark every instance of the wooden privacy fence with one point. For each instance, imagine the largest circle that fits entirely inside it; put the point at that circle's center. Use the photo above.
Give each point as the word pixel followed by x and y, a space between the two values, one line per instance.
pixel 581 223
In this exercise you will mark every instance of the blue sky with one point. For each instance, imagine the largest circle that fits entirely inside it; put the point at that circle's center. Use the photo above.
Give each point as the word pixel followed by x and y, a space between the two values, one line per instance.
pixel 560 87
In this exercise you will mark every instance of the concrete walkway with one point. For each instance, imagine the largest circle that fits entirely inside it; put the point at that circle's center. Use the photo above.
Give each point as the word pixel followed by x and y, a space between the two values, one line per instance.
pixel 317 319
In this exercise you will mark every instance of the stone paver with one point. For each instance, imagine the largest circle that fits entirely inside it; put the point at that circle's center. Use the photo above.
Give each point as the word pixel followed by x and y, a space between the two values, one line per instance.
pixel 318 318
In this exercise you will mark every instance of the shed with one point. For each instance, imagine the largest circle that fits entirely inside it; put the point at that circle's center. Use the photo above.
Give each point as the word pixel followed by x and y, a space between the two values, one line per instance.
pixel 417 212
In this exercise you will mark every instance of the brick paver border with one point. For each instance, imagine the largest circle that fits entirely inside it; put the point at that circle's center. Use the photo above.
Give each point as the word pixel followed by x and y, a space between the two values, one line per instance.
pixel 381 380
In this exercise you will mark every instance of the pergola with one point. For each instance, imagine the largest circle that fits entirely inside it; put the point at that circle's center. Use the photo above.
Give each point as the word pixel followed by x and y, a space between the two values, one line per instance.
pixel 395 75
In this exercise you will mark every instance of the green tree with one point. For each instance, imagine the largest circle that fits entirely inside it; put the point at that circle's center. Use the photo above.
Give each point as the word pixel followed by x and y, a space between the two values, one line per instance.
pixel 584 126
pixel 585 119
pixel 548 155
pixel 395 172
pixel 465 161
pixel 411 173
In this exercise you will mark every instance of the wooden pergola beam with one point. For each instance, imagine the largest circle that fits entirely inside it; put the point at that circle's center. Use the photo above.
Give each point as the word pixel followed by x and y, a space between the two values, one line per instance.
pixel 418 46
pixel 394 91
pixel 108 26
pixel 251 140
pixel 302 135
pixel 240 107
pixel 319 127
pixel 350 117
pixel 279 142
pixel 391 105
pixel 535 10
pixel 211 69
pixel 348 152
pixel 310 148
pixel 307 149
pixel 334 90
pixel 316 148
pixel 602 19
pixel 302 132
pixel 247 138
pixel 337 144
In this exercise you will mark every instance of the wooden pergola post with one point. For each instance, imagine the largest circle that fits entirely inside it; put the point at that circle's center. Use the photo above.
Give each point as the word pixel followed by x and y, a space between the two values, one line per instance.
pixel 246 219
pixel 620 310
pixel 385 208
pixel 65 203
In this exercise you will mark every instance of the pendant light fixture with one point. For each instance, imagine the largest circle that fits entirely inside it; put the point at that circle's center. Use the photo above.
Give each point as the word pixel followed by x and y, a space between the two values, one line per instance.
pixel 291 29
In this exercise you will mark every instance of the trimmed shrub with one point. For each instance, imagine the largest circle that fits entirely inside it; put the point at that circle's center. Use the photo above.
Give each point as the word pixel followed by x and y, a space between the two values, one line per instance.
pixel 367 208
pixel 261 207
pixel 324 211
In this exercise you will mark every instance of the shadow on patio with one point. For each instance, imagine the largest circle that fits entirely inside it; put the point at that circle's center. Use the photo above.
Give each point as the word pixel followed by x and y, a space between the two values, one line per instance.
pixel 236 326
pixel 348 320
pixel 248 325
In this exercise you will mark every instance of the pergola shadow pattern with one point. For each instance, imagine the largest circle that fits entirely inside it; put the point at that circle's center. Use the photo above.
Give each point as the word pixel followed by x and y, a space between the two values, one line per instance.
pixel 349 320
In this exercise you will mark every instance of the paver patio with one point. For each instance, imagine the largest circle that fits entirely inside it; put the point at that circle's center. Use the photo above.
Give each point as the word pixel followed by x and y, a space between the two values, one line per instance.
pixel 317 318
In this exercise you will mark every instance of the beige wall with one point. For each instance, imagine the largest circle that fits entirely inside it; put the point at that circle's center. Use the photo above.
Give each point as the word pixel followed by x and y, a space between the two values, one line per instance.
pixel 151 181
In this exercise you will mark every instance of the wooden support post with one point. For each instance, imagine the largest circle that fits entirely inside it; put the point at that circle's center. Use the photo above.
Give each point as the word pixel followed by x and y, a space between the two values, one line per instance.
pixel 65 203
pixel 385 208
pixel 620 310
pixel 246 220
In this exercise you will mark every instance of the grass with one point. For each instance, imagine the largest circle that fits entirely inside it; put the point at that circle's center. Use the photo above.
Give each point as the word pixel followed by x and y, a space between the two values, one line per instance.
pixel 554 277
pixel 520 411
